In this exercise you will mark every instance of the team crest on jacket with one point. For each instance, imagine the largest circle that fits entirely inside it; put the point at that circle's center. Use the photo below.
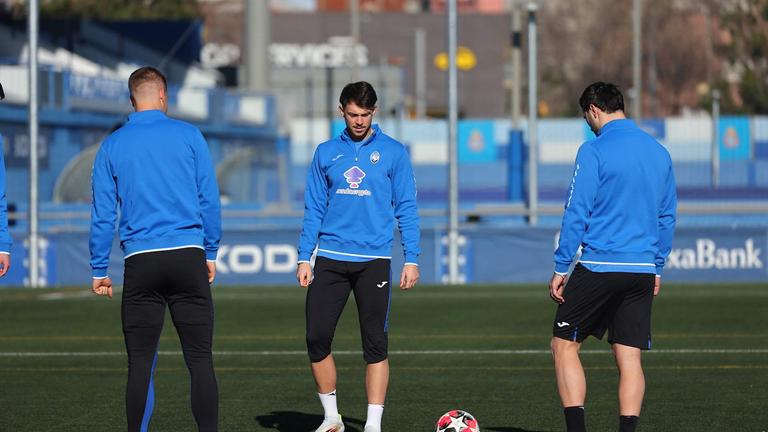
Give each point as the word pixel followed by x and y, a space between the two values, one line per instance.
pixel 354 176
pixel 375 156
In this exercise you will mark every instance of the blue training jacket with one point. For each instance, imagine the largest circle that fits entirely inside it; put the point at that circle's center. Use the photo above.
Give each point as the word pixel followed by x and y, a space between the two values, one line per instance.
pixel 160 173
pixel 621 204
pixel 5 236
pixel 353 196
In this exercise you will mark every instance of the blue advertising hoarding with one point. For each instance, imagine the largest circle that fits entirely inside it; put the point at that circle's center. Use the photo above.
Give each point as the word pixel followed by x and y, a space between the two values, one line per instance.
pixel 487 255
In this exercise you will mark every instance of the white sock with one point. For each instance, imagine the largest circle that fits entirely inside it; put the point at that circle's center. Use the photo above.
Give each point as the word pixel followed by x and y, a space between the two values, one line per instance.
pixel 374 415
pixel 329 404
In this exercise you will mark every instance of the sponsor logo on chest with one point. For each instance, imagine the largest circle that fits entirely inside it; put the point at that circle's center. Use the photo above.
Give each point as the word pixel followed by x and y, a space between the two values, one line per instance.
pixel 355 176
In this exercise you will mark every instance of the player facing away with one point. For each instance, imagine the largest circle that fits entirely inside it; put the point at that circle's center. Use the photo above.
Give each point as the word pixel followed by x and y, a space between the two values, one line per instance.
pixel 5 236
pixel 359 183
pixel 620 209
pixel 158 171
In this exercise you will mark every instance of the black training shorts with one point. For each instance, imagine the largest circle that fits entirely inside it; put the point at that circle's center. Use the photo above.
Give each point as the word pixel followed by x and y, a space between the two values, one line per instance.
pixel 614 301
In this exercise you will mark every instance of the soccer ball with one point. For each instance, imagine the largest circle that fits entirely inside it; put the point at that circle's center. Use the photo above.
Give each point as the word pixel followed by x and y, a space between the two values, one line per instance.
pixel 457 421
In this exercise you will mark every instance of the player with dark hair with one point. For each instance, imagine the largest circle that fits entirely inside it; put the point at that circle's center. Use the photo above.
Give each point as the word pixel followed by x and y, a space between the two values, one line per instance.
pixel 158 171
pixel 620 210
pixel 358 184
pixel 5 236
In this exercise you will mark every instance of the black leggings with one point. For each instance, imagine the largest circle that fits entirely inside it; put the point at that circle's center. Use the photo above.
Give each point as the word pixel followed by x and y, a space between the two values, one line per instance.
pixel 178 278
pixel 328 294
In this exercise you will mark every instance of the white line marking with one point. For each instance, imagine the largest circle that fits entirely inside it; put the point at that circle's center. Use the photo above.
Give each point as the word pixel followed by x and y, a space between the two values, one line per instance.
pixel 399 352
pixel 619 263
pixel 66 295
pixel 163 250
pixel 354 255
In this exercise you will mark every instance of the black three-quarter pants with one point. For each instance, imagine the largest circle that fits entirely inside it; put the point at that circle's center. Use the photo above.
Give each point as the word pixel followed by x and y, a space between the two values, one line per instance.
pixel 328 294
pixel 177 278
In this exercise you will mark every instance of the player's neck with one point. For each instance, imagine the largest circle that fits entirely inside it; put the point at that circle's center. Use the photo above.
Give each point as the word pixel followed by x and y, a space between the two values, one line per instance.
pixel 363 138
pixel 607 118
pixel 149 106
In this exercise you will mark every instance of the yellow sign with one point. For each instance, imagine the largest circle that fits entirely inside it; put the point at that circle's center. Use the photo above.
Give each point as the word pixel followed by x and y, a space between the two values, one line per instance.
pixel 465 59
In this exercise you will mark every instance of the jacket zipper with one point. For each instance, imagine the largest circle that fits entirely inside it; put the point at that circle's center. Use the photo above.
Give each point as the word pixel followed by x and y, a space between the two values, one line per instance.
pixel 356 149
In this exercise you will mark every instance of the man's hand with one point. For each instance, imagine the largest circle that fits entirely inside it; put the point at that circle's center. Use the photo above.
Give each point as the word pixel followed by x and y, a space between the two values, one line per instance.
pixel 556 286
pixel 5 264
pixel 409 276
pixel 102 287
pixel 211 270
pixel 304 274
pixel 657 286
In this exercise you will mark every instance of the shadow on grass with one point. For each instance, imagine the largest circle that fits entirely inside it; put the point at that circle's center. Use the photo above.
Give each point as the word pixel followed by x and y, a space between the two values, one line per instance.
pixel 293 421
pixel 509 429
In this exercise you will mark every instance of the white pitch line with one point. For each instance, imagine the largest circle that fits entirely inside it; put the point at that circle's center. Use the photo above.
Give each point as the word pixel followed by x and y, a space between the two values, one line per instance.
pixel 66 295
pixel 400 352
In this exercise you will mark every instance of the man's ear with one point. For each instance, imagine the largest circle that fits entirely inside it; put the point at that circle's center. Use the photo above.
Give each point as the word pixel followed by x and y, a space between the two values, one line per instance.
pixel 593 110
pixel 341 110
pixel 133 102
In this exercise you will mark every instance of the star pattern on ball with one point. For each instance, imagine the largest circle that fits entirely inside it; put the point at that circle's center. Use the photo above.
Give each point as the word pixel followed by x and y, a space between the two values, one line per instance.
pixel 458 423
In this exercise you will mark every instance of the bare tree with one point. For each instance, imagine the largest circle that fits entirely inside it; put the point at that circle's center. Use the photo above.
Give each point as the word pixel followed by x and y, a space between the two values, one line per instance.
pixel 686 44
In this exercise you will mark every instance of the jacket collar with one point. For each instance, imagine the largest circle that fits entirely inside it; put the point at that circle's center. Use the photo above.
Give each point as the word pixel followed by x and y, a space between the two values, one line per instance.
pixel 617 124
pixel 146 115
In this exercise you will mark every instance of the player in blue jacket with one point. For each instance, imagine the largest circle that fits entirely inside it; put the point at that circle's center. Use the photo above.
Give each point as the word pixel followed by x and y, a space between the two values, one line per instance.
pixel 359 183
pixel 620 210
pixel 158 172
pixel 5 236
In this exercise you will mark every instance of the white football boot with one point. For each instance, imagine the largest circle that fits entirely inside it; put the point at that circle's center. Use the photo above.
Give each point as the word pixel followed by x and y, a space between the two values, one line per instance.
pixel 331 425
pixel 372 429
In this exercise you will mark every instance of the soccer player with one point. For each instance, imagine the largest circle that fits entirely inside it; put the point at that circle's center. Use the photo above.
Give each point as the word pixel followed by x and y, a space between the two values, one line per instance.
pixel 5 236
pixel 357 185
pixel 158 171
pixel 620 209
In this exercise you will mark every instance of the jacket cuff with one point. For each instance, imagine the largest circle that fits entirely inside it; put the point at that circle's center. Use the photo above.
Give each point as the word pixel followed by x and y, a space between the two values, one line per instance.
pixel 659 269
pixel 211 255
pixel 99 273
pixel 304 256
pixel 562 268
pixel 412 259
pixel 5 247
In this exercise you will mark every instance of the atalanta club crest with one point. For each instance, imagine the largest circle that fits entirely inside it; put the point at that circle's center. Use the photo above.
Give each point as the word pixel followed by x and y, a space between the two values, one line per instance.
pixel 375 156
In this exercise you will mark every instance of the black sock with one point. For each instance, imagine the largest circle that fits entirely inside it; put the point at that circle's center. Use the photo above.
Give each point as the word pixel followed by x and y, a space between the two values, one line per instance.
pixel 627 423
pixel 574 419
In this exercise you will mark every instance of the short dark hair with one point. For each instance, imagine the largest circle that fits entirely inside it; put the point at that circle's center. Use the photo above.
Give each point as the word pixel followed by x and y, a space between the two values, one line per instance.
pixel 605 96
pixel 361 93
pixel 144 75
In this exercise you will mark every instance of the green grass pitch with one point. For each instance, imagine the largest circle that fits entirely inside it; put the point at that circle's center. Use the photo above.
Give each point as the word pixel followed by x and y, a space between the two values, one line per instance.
pixel 479 348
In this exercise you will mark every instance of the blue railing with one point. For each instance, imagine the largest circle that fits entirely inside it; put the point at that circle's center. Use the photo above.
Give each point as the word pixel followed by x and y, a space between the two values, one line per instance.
pixel 64 90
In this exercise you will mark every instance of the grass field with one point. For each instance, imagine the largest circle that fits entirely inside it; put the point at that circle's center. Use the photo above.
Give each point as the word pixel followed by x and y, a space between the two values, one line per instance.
pixel 479 348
